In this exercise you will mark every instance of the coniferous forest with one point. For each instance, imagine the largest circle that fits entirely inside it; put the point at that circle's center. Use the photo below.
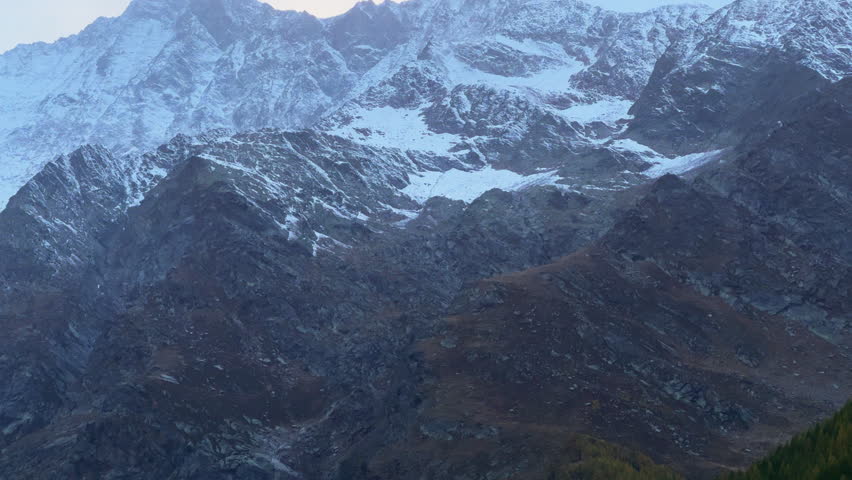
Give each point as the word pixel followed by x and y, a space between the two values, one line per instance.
pixel 822 453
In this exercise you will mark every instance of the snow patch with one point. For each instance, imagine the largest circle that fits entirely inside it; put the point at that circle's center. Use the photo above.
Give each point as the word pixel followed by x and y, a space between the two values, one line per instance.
pixel 168 378
pixel 682 164
pixel 628 145
pixel 608 111
pixel 12 427
pixel 467 186
pixel 662 165
pixel 533 47
pixel 388 127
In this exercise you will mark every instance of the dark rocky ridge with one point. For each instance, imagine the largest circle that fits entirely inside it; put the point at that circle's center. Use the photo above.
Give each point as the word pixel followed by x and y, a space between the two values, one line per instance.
pixel 195 332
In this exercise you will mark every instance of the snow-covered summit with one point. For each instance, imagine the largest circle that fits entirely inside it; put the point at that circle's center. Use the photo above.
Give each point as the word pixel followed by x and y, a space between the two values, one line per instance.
pixel 817 32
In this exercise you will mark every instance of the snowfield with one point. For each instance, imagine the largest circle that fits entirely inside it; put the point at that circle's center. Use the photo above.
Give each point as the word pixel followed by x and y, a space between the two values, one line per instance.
pixel 467 186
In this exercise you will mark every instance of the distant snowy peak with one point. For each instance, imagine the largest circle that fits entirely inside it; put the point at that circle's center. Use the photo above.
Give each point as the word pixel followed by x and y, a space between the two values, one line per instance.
pixel 817 33
pixel 156 9
pixel 167 67
pixel 733 75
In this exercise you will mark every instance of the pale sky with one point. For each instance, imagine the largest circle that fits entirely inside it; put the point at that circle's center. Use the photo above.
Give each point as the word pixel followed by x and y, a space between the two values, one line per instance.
pixel 27 21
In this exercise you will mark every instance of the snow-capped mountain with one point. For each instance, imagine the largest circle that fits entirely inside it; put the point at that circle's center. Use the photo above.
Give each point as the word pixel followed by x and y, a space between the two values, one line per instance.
pixel 167 67
pixel 716 82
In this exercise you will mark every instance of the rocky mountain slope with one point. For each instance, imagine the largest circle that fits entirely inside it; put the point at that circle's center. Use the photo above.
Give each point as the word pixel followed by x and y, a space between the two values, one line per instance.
pixel 357 300
pixel 701 327
pixel 215 287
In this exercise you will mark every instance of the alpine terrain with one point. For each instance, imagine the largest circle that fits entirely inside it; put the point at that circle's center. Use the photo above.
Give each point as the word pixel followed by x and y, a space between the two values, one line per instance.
pixel 436 239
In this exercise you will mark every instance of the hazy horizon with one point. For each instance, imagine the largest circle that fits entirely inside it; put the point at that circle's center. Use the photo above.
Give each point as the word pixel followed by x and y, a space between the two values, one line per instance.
pixel 49 20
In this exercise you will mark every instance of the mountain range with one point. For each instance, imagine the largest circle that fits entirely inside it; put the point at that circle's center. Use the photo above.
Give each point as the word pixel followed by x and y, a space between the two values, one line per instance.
pixel 436 76
pixel 429 239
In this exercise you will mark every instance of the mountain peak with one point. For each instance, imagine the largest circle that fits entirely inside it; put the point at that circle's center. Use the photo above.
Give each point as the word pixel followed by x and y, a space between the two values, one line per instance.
pixel 172 8
pixel 155 8
pixel 816 31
